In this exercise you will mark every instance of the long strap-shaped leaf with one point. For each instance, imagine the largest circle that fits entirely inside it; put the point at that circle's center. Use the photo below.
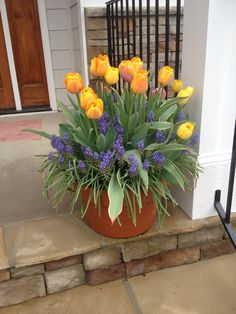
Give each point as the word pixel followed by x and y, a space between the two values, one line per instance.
pixel 116 197
pixel 38 132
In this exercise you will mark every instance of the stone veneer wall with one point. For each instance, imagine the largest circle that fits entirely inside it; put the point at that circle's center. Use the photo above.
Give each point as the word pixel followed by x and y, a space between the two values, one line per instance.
pixel 120 259
pixel 96 31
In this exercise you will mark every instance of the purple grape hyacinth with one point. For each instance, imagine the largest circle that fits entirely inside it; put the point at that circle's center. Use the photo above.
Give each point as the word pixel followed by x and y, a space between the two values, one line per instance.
pixel 146 164
pixel 133 165
pixel 160 136
pixel 194 139
pixel 181 116
pixel 61 159
pixel 103 123
pixel 150 116
pixel 66 137
pixel 106 161
pixel 140 145
pixel 81 165
pixel 158 158
pixel 50 155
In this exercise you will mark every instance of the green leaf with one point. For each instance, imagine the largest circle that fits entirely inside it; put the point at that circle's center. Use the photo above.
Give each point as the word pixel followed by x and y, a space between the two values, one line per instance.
pixel 140 133
pixel 65 128
pixel 133 121
pixel 110 137
pixel 166 105
pixel 80 138
pixel 161 125
pixel 68 114
pixel 122 116
pixel 172 175
pixel 116 197
pixel 168 113
pixel 41 133
pixel 172 147
pixel 101 142
pixel 153 146
pixel 142 173
pixel 75 105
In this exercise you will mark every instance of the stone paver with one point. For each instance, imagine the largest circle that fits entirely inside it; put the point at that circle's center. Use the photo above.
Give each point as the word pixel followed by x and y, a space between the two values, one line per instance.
pixel 4 264
pixel 202 288
pixel 51 238
pixel 102 258
pixel 103 299
pixel 27 271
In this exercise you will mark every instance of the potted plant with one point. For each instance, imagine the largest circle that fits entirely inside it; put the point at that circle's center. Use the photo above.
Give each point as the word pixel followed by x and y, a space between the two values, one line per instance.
pixel 120 152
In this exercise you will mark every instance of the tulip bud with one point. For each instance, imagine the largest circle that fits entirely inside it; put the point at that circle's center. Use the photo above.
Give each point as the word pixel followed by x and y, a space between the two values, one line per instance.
pixel 165 75
pixel 126 70
pixel 87 94
pixel 94 109
pixel 99 65
pixel 112 76
pixel 177 85
pixel 137 63
pixel 185 130
pixel 139 83
pixel 187 93
pixel 73 82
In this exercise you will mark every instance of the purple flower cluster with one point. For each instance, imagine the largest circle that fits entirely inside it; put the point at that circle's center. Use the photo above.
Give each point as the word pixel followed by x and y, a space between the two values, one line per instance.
pixel 106 160
pixel 61 144
pixel 181 116
pixel 61 159
pixel 81 165
pixel 150 116
pixel 173 136
pixel 158 158
pixel 140 145
pixel 195 139
pixel 103 123
pixel 160 136
pixel 50 155
pixel 118 145
pixel 146 164
pixel 133 165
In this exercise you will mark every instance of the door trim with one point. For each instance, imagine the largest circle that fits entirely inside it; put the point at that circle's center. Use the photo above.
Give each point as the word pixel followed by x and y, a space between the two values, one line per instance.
pixel 46 53
pixel 10 56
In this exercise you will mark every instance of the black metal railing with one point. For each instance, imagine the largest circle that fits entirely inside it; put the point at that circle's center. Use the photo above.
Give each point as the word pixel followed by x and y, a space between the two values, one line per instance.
pixel 225 216
pixel 135 28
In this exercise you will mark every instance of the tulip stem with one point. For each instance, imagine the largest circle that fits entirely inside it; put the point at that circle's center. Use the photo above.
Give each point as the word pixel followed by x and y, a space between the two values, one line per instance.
pixel 95 127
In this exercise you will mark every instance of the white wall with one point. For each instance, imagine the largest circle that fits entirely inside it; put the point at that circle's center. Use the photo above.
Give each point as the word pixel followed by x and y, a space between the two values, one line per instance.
pixel 209 64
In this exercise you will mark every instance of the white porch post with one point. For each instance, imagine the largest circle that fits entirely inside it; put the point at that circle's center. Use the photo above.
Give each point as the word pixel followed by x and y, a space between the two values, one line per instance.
pixel 209 64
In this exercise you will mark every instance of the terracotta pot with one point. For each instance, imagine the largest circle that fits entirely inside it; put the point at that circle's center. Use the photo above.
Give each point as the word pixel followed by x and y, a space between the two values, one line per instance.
pixel 104 226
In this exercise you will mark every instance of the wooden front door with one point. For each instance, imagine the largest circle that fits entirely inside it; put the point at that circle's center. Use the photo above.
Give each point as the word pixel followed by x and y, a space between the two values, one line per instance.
pixel 24 25
pixel 6 92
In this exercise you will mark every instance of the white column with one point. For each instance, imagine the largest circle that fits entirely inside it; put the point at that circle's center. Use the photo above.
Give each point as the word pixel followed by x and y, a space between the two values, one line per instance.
pixel 209 64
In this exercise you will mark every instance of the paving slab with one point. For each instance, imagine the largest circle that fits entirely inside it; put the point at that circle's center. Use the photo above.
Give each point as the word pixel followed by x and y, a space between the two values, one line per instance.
pixel 52 238
pixel 202 288
pixel 4 264
pixel 103 299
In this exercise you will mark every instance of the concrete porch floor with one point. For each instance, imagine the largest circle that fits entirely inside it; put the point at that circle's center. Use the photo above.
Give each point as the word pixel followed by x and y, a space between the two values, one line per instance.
pixel 21 183
pixel 202 288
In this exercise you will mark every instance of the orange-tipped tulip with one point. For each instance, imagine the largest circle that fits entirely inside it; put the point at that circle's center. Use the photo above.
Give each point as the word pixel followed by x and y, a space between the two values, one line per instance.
pixel 94 109
pixel 73 82
pixel 177 85
pixel 87 94
pixel 139 83
pixel 112 76
pixel 185 130
pixel 137 63
pixel 99 65
pixel 165 75
pixel 126 70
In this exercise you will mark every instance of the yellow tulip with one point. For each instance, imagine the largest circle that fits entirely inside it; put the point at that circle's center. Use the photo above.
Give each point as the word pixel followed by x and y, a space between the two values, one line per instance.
pixel 137 63
pixel 87 94
pixel 112 76
pixel 165 75
pixel 99 65
pixel 139 83
pixel 73 82
pixel 185 130
pixel 183 93
pixel 190 91
pixel 187 93
pixel 94 109
pixel 126 70
pixel 177 85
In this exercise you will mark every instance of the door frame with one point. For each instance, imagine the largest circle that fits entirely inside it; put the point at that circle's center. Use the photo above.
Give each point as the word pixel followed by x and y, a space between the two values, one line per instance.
pixel 46 53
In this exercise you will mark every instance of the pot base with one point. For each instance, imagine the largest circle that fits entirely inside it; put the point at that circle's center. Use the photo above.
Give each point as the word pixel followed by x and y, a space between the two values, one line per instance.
pixel 127 229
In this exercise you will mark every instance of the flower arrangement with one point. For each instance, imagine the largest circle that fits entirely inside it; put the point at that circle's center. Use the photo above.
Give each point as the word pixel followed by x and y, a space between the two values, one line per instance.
pixel 128 144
